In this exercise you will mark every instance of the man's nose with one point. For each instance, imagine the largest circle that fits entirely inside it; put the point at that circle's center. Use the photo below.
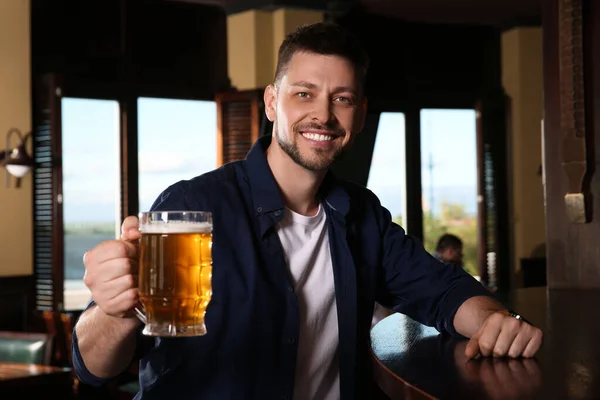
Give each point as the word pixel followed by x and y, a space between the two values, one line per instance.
pixel 322 111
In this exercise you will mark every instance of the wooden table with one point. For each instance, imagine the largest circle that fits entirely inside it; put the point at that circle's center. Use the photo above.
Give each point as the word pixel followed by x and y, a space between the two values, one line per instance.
pixel 18 380
pixel 412 361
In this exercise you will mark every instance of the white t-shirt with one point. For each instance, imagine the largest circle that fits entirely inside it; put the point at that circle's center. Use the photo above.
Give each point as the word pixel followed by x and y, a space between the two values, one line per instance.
pixel 306 247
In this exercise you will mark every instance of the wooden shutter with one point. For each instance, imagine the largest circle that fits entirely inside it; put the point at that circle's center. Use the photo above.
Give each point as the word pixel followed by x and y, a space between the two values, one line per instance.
pixel 48 250
pixel 239 117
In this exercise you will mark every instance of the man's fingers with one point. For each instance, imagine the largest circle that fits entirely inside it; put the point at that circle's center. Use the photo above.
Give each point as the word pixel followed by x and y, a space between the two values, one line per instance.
pixel 115 269
pixel 518 345
pixel 489 336
pixel 109 260
pixel 130 229
pixel 123 303
pixel 118 249
pixel 534 344
pixel 526 343
pixel 510 329
pixel 472 348
pixel 113 249
pixel 120 285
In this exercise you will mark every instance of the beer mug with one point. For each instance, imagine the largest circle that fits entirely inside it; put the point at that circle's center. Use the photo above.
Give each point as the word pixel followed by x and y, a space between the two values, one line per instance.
pixel 175 271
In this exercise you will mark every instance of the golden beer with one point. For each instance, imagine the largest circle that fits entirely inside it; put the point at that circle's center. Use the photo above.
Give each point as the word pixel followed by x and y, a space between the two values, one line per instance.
pixel 175 270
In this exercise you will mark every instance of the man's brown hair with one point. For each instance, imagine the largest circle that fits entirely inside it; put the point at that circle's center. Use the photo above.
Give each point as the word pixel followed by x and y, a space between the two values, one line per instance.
pixel 324 38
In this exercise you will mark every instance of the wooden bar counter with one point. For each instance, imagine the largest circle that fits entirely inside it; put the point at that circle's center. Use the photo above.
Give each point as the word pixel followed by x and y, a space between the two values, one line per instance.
pixel 412 361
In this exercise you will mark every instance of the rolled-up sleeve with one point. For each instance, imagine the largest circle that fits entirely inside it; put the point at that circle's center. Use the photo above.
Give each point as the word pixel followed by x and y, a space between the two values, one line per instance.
pixel 416 284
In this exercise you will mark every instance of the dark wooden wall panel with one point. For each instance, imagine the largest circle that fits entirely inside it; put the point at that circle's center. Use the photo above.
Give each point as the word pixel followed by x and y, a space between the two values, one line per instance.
pixel 573 254
pixel 16 303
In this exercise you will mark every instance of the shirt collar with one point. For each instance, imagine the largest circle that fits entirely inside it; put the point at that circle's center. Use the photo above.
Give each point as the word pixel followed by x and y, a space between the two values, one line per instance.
pixel 265 192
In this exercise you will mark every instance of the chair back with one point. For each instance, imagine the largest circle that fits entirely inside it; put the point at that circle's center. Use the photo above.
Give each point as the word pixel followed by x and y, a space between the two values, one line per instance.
pixel 25 347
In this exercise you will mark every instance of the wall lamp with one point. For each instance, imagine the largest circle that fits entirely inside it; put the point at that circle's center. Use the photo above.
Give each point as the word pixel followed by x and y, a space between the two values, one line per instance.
pixel 16 160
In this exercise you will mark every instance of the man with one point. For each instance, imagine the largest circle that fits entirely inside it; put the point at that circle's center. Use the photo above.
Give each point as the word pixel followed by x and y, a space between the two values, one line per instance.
pixel 299 259
pixel 449 249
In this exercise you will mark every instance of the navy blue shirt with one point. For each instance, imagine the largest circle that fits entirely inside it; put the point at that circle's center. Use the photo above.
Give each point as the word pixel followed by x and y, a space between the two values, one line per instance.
pixel 253 321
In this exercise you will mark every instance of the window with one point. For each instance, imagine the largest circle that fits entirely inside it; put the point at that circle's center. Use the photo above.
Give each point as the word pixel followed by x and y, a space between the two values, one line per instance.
pixel 80 192
pixel 91 186
pixel 177 139
pixel 449 179
pixel 387 175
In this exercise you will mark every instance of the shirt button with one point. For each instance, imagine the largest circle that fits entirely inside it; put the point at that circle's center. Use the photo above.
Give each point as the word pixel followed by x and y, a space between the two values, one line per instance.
pixel 291 289
pixel 277 213
pixel 259 209
pixel 292 340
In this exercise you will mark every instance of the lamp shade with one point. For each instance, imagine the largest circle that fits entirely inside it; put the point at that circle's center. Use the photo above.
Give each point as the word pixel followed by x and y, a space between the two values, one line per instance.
pixel 18 162
pixel 18 171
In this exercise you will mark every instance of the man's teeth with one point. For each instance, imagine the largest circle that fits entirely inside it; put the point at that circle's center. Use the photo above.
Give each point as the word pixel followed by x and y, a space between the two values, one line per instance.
pixel 317 137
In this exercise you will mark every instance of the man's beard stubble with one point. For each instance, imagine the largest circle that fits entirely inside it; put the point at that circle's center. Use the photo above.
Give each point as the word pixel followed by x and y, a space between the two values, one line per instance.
pixel 318 163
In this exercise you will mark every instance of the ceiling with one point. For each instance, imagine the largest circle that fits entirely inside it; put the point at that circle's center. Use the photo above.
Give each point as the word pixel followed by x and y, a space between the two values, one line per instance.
pixel 493 12
pixel 488 12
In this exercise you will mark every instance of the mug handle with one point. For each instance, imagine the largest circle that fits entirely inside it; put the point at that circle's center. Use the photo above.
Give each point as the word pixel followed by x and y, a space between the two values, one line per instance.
pixel 140 314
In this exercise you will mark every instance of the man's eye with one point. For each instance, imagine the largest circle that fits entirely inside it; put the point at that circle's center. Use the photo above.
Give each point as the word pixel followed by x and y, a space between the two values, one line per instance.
pixel 302 95
pixel 343 99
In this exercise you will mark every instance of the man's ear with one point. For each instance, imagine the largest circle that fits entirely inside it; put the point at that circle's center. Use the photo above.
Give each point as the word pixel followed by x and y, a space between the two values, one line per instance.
pixel 270 98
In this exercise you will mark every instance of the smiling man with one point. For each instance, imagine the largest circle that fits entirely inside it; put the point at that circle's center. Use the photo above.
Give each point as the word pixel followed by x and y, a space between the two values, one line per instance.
pixel 299 260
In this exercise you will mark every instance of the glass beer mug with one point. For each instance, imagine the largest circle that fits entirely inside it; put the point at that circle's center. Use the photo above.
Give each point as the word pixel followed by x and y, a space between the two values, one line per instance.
pixel 175 271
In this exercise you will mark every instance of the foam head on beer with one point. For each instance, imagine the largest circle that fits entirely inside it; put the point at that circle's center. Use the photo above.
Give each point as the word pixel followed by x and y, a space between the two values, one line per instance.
pixel 175 227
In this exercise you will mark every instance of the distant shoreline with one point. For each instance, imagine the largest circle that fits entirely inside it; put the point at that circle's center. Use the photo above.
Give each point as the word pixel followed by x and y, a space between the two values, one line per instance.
pixel 89 228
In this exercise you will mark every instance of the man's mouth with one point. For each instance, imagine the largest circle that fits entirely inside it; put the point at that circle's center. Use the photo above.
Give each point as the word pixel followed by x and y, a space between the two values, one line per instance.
pixel 318 137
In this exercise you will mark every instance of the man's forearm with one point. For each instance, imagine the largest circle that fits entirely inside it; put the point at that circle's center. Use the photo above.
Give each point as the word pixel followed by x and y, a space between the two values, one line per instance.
pixel 472 314
pixel 106 343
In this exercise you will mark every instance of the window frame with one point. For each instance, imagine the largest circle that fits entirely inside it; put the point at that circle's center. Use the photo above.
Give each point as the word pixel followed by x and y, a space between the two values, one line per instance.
pixel 48 238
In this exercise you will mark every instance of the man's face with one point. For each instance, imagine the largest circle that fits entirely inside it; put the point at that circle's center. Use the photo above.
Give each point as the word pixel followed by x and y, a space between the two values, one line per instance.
pixel 316 109
pixel 453 256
